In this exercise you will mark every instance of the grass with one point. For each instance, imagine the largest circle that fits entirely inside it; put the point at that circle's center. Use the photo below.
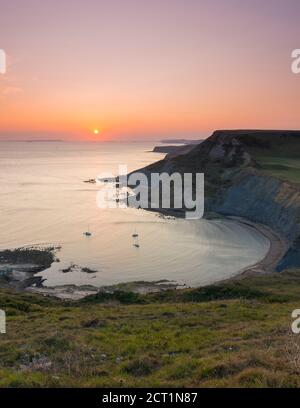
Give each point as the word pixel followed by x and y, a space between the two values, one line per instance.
pixel 276 156
pixel 280 167
pixel 233 334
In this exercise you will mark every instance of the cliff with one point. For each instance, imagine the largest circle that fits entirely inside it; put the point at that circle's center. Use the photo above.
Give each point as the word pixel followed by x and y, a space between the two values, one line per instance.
pixel 252 174
pixel 173 151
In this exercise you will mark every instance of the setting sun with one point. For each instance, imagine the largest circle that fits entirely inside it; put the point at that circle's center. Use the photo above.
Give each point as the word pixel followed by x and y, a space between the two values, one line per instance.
pixel 96 131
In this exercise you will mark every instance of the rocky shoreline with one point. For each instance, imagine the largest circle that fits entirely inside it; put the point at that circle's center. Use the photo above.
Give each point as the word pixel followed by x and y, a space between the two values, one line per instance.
pixel 19 266
pixel 18 269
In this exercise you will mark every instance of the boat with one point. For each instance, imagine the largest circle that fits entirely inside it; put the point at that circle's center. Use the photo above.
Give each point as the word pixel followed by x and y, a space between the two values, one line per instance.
pixel 136 240
pixel 135 235
pixel 87 233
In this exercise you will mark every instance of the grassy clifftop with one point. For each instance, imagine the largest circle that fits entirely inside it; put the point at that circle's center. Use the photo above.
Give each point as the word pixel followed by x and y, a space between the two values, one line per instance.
pixel 276 153
pixel 224 155
pixel 231 334
pixel 273 152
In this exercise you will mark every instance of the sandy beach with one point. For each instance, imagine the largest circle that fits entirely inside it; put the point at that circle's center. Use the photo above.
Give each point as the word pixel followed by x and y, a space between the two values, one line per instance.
pixel 277 249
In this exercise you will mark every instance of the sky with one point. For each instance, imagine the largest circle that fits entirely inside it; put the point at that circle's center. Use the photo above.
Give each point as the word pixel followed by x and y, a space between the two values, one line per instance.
pixel 138 69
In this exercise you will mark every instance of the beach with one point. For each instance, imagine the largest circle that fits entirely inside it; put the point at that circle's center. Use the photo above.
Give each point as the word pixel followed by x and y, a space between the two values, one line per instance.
pixel 278 247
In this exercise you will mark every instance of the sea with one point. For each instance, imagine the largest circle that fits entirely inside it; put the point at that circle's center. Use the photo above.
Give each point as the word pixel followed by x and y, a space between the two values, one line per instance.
pixel 44 201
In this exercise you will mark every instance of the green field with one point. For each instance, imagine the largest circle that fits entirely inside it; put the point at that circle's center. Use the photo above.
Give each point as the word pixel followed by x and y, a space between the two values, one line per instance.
pixel 234 334
pixel 280 167
pixel 279 157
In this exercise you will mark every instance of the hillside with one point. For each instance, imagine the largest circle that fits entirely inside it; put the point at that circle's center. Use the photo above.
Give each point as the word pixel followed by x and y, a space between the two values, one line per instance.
pixel 250 174
pixel 234 334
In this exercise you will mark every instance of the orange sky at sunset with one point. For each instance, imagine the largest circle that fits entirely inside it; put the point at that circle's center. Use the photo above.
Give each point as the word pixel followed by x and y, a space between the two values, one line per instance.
pixel 139 69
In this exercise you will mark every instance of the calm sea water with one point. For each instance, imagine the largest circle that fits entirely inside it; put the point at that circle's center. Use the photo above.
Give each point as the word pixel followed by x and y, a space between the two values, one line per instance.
pixel 44 201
